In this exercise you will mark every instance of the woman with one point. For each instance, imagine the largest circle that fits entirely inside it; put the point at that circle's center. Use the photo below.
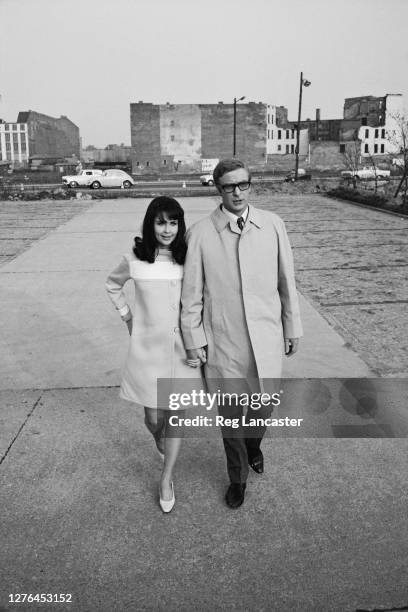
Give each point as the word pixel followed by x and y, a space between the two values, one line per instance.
pixel 156 348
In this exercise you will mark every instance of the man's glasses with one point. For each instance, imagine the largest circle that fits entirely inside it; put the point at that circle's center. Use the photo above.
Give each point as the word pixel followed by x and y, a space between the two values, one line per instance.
pixel 241 186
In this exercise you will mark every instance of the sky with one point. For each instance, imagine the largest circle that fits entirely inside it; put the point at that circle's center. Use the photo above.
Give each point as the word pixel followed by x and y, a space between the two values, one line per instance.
pixel 89 59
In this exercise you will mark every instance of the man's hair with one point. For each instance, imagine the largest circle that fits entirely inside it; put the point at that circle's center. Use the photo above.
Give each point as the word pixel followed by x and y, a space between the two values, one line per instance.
pixel 228 165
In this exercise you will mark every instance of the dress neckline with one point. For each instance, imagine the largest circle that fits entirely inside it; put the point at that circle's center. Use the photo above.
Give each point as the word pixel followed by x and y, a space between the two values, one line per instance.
pixel 163 253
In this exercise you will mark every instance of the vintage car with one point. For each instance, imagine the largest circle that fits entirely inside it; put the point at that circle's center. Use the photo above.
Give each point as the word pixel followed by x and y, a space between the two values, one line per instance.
pixel 112 178
pixel 366 173
pixel 302 176
pixel 83 179
pixel 207 179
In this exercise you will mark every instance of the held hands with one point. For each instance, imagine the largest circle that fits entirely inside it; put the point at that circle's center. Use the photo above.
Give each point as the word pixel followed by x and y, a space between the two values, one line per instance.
pixel 196 357
pixel 291 346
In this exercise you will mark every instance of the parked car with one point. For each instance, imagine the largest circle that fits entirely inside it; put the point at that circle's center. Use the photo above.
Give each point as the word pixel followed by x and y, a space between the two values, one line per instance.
pixel 366 173
pixel 207 179
pixel 83 179
pixel 112 178
pixel 302 176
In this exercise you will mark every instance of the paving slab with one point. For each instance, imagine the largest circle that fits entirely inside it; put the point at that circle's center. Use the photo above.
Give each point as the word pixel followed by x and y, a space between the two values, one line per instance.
pixel 323 529
pixel 15 409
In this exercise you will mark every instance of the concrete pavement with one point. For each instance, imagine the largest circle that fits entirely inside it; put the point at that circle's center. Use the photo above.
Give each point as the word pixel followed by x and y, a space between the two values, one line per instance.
pixel 322 529
pixel 56 298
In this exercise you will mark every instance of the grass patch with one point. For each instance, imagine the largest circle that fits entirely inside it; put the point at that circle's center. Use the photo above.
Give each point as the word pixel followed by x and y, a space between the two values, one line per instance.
pixel 370 199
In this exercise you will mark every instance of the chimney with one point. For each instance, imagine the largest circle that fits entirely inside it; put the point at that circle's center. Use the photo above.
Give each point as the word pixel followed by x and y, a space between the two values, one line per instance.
pixel 317 123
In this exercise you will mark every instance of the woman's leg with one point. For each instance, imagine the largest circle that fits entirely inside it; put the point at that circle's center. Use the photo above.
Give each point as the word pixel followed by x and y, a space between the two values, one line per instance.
pixel 171 451
pixel 155 423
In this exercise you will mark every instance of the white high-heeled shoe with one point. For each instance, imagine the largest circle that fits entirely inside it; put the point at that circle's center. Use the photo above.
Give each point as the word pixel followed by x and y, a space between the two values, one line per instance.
pixel 167 506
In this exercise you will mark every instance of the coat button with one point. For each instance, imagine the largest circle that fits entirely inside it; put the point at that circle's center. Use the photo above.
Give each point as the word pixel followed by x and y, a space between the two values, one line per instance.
pixel 176 329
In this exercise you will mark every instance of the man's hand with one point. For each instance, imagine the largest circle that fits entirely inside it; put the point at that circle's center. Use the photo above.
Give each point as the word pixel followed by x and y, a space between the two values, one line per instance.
pixel 129 324
pixel 196 357
pixel 291 346
pixel 128 319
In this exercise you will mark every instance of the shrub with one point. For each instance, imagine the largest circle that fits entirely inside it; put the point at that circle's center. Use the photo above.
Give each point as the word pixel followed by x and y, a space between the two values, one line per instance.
pixel 371 199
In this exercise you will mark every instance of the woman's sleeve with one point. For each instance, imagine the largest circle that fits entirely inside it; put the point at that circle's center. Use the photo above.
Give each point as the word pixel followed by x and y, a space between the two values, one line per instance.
pixel 114 286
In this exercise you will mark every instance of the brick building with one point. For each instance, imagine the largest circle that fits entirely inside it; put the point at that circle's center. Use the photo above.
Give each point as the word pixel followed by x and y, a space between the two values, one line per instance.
pixel 168 137
pixel 49 137
pixel 14 144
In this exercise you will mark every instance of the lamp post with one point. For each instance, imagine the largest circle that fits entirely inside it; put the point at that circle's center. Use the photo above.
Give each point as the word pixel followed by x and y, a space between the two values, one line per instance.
pixel 306 83
pixel 234 146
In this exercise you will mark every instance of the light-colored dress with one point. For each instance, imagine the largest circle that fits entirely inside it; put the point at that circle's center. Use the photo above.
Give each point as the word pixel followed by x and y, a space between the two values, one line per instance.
pixel 156 348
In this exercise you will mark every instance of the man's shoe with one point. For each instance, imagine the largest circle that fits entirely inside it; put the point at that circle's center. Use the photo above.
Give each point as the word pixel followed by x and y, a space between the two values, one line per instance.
pixel 257 462
pixel 235 494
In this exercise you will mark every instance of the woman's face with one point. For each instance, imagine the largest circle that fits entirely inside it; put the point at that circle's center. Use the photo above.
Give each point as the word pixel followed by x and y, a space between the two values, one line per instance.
pixel 165 230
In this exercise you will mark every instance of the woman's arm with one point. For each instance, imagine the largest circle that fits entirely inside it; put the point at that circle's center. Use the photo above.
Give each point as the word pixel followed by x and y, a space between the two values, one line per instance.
pixel 114 286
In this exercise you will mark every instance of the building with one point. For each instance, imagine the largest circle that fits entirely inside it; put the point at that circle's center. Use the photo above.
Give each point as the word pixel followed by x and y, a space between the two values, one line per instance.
pixel 374 122
pixel 322 130
pixel 282 136
pixel 111 156
pixel 173 137
pixel 14 143
pixel 49 137
pixel 369 128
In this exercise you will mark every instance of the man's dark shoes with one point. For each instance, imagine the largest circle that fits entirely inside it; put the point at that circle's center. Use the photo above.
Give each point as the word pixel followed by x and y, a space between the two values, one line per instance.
pixel 256 462
pixel 235 494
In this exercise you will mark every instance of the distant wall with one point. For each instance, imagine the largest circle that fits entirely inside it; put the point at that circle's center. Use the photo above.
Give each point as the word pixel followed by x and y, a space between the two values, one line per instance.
pixel 145 136
pixel 180 133
pixel 178 136
pixel 326 156
pixel 284 163
pixel 51 137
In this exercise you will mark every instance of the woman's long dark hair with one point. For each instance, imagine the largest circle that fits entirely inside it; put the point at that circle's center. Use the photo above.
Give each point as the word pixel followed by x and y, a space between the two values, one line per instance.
pixel 146 247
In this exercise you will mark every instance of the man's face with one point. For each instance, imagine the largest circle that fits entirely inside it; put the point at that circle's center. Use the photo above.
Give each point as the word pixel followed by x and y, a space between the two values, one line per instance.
pixel 236 201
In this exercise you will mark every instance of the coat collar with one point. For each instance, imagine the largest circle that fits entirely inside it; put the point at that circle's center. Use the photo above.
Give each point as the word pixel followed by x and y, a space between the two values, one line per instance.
pixel 221 221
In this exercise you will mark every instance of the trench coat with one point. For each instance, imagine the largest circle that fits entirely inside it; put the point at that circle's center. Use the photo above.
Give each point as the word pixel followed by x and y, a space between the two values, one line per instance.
pixel 239 295
pixel 156 348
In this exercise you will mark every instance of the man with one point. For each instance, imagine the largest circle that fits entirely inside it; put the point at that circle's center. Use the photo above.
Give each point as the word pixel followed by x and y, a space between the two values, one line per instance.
pixel 240 309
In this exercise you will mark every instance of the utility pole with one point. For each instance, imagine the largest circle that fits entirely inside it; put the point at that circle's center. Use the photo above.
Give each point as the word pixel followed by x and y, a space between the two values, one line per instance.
pixel 234 146
pixel 306 83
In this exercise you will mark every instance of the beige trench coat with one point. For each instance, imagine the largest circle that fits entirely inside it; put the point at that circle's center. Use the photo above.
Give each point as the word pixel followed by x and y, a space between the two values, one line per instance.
pixel 239 295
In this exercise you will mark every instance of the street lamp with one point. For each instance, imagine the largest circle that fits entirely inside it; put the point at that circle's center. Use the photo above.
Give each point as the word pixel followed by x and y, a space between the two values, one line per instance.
pixel 235 124
pixel 306 83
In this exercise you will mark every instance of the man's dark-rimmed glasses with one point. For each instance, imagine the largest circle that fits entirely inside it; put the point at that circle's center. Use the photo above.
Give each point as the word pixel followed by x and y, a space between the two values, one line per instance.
pixel 231 187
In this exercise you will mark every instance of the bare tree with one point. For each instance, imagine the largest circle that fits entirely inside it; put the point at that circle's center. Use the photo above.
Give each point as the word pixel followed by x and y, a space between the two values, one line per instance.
pixel 398 139
pixel 352 158
pixel 374 167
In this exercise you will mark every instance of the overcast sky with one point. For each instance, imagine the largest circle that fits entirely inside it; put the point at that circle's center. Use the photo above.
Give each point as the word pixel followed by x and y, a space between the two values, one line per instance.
pixel 88 59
